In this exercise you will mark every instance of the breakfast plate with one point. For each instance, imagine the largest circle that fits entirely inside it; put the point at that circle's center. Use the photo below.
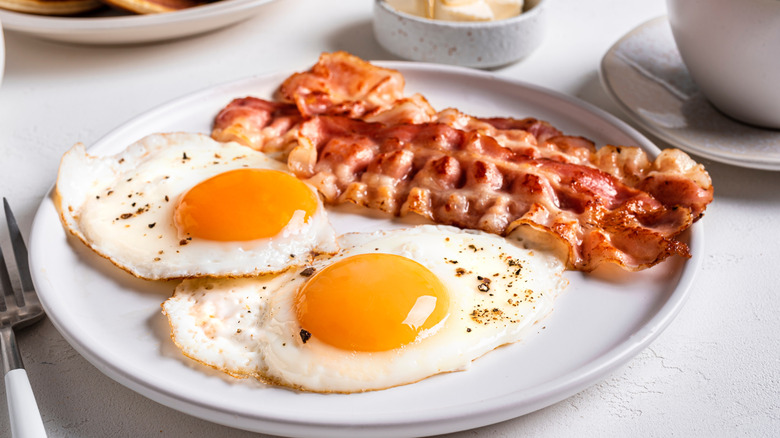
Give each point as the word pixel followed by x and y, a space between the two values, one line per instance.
pixel 111 28
pixel 600 322
pixel 2 53
pixel 646 76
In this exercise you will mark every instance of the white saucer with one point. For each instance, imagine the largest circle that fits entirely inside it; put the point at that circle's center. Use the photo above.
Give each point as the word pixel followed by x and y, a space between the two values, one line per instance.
pixel 646 76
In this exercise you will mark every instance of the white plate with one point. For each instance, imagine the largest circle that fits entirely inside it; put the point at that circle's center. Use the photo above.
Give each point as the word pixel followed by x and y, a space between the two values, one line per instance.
pixel 601 321
pixel 646 76
pixel 124 29
pixel 2 53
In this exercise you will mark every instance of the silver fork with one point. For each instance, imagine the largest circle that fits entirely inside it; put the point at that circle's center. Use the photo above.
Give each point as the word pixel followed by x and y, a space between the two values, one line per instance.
pixel 18 309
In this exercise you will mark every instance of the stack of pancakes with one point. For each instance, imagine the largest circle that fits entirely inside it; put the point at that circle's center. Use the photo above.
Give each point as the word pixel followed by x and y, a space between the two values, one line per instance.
pixel 75 7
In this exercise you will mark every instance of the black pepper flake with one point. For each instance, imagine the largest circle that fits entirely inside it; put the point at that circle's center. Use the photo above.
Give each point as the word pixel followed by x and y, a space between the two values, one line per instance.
pixel 308 272
pixel 109 192
pixel 152 224
pixel 166 198
pixel 305 336
pixel 238 331
pixel 183 242
pixel 133 204
pixel 126 216
pixel 468 330
pixel 460 271
pixel 292 256
pixel 156 259
pixel 184 156
pixel 483 287
pixel 454 262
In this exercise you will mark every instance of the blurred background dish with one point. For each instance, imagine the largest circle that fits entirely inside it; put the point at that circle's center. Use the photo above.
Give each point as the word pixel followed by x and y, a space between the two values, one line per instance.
pixel 482 44
pixel 112 28
pixel 645 75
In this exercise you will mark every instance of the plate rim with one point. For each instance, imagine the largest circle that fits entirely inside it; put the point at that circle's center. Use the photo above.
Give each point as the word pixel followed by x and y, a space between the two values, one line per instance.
pixel 71 28
pixel 663 134
pixel 495 409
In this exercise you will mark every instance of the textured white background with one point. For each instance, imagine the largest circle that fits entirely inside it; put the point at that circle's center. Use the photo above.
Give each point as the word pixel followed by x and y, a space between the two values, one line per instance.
pixel 714 372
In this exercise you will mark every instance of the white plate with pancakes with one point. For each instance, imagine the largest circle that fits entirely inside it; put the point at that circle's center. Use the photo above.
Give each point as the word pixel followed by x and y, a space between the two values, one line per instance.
pixel 112 27
pixel 599 323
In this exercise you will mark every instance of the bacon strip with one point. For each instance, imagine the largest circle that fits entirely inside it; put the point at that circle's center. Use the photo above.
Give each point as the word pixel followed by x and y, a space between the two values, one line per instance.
pixel 467 179
pixel 362 142
pixel 343 84
pixel 257 123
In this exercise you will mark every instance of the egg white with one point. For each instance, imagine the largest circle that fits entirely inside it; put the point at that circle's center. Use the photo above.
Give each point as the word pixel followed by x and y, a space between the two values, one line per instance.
pixel 122 206
pixel 248 327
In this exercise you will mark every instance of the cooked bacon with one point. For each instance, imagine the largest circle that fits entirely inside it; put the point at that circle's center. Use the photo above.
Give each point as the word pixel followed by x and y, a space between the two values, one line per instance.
pixel 345 127
pixel 343 84
pixel 257 123
pixel 467 179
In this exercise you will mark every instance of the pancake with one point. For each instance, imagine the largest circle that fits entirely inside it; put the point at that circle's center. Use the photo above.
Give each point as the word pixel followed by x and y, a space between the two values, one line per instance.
pixel 51 7
pixel 153 6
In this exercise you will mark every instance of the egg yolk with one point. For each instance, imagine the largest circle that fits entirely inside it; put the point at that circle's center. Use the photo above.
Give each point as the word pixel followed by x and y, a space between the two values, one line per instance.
pixel 243 204
pixel 371 302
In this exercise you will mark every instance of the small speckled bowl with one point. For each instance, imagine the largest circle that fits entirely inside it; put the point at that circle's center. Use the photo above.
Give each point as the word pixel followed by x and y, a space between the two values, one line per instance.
pixel 470 44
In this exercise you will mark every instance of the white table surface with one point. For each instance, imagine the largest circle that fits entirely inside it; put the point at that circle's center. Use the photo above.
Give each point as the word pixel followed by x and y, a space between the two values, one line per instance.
pixel 714 372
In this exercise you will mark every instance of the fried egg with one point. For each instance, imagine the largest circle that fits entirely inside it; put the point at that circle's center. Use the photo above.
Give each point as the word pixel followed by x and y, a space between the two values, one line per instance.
pixel 391 308
pixel 183 205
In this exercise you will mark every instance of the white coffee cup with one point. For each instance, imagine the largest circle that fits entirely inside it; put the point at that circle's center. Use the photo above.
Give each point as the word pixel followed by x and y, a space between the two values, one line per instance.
pixel 732 50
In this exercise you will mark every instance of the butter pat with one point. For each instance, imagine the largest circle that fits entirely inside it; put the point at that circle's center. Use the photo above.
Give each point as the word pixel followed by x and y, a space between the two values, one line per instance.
pixel 505 8
pixel 460 10
pixel 411 7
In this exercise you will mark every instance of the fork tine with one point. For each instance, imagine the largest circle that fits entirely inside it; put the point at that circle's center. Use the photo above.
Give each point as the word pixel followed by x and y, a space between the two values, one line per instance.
pixel 20 250
pixel 6 286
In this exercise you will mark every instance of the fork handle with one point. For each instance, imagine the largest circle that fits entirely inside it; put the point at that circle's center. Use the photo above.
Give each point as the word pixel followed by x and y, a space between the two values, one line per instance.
pixel 23 410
